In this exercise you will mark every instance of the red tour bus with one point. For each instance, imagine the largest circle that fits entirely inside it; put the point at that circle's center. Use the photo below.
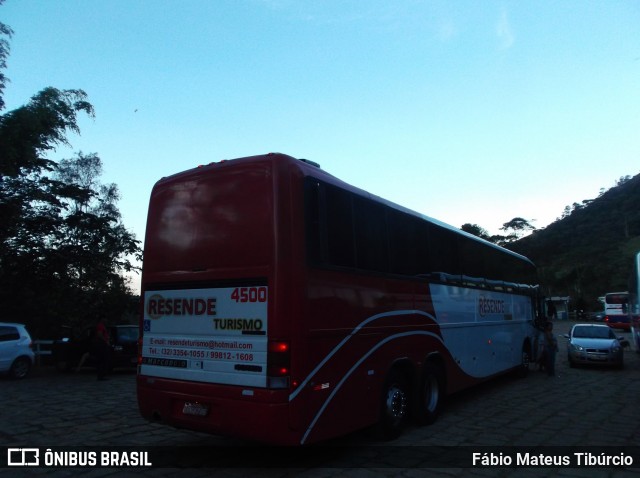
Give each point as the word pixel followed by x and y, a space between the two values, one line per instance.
pixel 286 306
pixel 616 310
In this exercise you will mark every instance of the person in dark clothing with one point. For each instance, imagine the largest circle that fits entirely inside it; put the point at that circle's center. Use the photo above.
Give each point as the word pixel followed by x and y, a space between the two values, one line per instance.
pixel 552 312
pixel 102 350
pixel 551 348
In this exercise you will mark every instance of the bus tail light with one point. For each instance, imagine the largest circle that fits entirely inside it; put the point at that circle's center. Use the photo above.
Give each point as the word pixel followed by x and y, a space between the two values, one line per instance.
pixel 140 351
pixel 278 364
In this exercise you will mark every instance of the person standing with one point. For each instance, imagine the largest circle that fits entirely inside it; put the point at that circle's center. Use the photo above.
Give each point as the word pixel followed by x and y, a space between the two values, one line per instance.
pixel 102 349
pixel 551 348
pixel 552 312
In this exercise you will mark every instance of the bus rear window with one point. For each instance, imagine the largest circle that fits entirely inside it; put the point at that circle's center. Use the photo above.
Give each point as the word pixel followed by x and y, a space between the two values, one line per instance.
pixel 617 298
pixel 206 221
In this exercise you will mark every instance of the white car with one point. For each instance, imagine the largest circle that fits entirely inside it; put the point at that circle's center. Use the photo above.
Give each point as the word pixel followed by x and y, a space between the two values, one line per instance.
pixel 595 344
pixel 16 353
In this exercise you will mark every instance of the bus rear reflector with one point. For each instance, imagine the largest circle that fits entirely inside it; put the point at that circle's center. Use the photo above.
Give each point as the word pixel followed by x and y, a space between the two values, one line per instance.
pixel 278 364
pixel 140 350
pixel 278 347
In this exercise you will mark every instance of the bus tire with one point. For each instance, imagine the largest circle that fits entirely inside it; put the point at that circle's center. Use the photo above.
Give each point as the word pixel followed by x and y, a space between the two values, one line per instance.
pixel 430 394
pixel 394 409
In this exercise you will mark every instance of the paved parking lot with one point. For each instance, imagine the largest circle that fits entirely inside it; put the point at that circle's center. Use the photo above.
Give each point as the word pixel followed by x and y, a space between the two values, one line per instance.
pixel 580 407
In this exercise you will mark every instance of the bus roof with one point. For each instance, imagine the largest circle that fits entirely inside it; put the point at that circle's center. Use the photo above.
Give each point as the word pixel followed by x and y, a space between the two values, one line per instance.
pixel 313 169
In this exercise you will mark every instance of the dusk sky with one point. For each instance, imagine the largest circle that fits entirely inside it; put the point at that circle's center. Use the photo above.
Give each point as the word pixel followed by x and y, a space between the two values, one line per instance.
pixel 464 111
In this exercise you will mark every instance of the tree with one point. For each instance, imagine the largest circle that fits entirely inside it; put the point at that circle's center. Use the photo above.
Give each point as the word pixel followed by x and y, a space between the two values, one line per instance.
pixel 476 231
pixel 589 252
pixel 5 34
pixel 91 235
pixel 29 132
pixel 63 247
pixel 518 227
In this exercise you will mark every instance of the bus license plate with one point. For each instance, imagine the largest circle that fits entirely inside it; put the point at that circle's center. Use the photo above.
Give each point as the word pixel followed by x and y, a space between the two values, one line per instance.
pixel 196 409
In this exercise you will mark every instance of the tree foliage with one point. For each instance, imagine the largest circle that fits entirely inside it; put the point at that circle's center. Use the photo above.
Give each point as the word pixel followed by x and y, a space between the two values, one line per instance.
pixel 5 35
pixel 518 226
pixel 476 230
pixel 63 246
pixel 29 132
pixel 585 253
pixel 588 251
pixel 515 229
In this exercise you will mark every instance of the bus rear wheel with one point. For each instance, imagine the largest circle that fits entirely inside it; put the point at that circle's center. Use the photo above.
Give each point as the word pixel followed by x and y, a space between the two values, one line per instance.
pixel 430 395
pixel 394 410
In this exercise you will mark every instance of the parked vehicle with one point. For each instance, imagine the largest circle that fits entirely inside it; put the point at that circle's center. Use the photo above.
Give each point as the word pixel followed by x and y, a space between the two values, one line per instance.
pixel 594 344
pixel 616 309
pixel 75 350
pixel 16 350
pixel 622 322
pixel 283 305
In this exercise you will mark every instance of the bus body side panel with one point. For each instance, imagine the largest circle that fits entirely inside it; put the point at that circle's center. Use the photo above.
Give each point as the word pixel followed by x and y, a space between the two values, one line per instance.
pixel 343 368
pixel 357 333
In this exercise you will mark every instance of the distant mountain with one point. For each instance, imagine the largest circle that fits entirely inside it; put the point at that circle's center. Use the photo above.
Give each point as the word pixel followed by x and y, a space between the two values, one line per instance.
pixel 588 252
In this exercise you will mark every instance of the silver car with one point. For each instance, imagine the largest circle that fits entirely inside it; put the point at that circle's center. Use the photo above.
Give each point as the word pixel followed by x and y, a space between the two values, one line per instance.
pixel 594 344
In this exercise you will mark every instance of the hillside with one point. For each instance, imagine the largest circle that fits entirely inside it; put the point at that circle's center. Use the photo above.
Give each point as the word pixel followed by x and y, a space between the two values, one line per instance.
pixel 588 252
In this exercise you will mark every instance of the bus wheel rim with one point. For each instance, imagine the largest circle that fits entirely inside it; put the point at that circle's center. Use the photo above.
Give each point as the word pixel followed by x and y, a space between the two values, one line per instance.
pixel 396 403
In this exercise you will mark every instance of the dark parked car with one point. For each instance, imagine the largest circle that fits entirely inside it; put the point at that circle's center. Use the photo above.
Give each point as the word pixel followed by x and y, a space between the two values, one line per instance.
pixel 75 350
pixel 595 344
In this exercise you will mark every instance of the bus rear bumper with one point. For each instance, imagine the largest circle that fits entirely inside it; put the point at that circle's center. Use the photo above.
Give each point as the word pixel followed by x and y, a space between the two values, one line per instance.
pixel 223 410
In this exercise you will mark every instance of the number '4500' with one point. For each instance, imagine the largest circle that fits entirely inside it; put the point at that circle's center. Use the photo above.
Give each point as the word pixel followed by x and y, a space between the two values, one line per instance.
pixel 249 294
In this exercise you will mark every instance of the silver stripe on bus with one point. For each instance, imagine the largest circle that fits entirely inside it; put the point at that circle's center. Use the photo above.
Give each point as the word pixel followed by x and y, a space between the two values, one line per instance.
pixel 355 366
pixel 346 339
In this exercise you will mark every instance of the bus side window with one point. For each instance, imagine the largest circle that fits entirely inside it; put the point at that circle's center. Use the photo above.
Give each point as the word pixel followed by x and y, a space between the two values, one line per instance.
pixel 443 251
pixel 313 222
pixel 408 244
pixel 402 243
pixel 371 235
pixel 340 234
pixel 472 259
